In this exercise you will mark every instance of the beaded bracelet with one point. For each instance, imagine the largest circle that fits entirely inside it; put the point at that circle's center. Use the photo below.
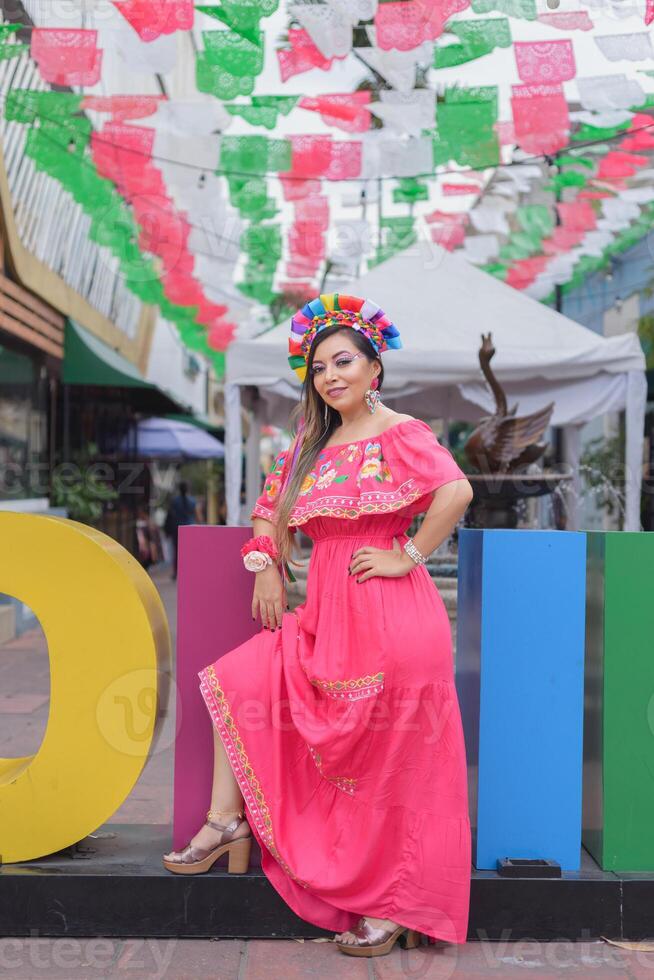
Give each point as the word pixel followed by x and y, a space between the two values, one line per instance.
pixel 413 552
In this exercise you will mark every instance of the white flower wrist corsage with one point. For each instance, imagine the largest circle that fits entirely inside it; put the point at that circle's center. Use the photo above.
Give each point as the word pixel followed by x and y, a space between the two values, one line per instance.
pixel 256 561
pixel 259 552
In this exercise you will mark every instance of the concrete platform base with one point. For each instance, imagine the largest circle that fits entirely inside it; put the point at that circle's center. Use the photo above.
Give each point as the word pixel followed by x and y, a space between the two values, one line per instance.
pixel 113 884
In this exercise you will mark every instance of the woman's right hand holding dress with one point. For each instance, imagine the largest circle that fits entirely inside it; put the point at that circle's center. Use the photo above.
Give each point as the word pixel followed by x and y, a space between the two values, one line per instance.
pixel 269 598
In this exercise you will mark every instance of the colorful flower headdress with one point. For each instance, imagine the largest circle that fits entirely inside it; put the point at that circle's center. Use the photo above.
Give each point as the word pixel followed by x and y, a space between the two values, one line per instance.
pixel 336 309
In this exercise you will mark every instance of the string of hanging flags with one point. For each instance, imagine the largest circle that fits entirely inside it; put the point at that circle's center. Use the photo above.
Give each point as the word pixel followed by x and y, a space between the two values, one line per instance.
pixel 268 146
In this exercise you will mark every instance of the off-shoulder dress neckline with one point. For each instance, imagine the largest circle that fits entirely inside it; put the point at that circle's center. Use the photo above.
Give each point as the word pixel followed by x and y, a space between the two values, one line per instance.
pixel 355 442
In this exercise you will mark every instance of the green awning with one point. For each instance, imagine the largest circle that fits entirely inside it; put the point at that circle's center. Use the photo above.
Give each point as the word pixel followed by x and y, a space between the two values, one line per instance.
pixel 89 361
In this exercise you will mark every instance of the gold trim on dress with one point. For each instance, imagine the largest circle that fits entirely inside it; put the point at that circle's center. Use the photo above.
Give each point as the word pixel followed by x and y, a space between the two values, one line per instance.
pixel 238 758
pixel 354 688
pixel 351 510
pixel 346 783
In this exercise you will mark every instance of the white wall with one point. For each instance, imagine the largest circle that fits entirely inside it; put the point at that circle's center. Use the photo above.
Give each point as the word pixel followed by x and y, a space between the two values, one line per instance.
pixel 166 368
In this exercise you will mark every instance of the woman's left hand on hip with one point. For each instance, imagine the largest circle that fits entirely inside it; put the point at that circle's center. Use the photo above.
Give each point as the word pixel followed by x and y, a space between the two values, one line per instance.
pixel 387 562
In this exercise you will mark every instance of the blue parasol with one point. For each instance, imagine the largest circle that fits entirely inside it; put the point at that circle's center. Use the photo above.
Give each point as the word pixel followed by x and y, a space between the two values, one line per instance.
pixel 161 438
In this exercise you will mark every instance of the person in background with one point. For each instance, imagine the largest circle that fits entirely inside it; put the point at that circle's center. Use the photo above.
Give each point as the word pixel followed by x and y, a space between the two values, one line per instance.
pixel 182 510
pixel 148 539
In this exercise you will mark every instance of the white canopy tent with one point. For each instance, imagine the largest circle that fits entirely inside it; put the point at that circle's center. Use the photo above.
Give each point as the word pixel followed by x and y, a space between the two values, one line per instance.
pixel 441 304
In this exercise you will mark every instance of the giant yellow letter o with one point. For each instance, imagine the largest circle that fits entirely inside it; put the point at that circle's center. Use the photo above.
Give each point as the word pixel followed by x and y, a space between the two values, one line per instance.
pixel 110 662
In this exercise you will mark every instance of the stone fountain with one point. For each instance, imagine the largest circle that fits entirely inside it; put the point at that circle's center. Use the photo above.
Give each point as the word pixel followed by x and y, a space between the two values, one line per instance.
pixel 501 448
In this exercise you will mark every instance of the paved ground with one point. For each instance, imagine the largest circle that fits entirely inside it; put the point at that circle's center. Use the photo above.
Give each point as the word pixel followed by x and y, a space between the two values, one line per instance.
pixel 24 697
pixel 187 959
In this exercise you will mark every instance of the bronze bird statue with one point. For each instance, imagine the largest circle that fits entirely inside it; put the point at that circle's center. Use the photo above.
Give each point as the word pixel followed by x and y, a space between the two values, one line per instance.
pixel 502 443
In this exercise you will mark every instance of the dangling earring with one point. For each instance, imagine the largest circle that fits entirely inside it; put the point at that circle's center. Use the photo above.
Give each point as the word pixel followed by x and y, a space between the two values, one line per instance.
pixel 371 396
pixel 326 414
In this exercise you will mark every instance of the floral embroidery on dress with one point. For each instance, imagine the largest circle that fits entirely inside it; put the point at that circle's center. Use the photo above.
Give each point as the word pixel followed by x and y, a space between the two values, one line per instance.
pixel 327 475
pixel 351 452
pixel 273 479
pixel 325 479
pixel 307 484
pixel 374 466
pixel 345 783
pixel 375 476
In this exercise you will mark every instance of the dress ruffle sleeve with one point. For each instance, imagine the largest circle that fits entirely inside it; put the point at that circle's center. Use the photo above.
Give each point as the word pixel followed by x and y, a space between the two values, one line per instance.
pixel 266 501
pixel 415 456
pixel 398 470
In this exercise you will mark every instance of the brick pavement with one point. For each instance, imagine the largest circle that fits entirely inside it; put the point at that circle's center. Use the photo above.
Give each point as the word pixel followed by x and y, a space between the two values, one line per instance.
pixel 24 698
pixel 279 959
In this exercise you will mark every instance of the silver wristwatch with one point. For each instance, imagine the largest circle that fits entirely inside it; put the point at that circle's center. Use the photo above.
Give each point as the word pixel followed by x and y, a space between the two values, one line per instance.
pixel 413 552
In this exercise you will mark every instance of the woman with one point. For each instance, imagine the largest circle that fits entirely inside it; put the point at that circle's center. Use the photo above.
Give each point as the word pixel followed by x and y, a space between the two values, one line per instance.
pixel 338 724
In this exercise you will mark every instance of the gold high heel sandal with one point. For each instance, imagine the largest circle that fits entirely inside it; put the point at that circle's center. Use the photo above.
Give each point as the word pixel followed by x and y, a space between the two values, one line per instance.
pixel 373 941
pixel 194 860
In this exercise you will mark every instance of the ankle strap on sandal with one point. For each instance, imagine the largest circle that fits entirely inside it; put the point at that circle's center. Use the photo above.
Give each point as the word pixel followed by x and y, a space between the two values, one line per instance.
pixel 211 814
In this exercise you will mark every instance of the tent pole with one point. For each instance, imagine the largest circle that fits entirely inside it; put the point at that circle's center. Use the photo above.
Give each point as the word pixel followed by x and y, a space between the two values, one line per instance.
pixel 571 453
pixel 252 460
pixel 558 434
pixel 635 406
pixel 233 454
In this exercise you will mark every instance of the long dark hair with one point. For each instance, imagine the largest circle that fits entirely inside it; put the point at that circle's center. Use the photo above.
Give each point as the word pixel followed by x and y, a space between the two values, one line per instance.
pixel 310 433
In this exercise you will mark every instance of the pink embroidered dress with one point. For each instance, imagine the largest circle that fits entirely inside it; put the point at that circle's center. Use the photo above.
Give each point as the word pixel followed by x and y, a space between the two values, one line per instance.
pixel 343 728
